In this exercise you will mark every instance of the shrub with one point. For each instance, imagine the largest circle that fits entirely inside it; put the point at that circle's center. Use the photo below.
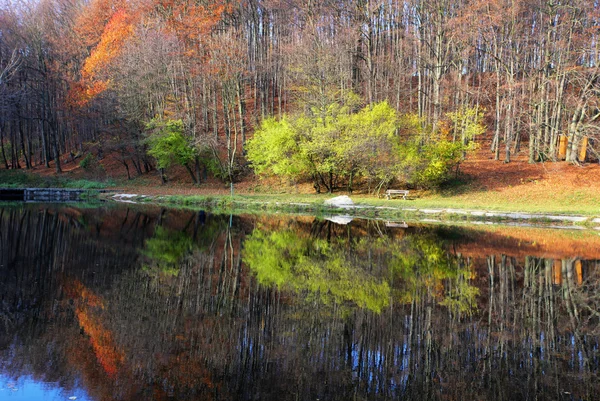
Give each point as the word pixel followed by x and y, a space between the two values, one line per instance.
pixel 92 166
pixel 87 162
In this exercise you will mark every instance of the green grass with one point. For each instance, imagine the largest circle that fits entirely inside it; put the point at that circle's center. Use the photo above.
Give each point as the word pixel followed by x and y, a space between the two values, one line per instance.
pixel 370 207
pixel 22 179
pixel 87 184
pixel 554 204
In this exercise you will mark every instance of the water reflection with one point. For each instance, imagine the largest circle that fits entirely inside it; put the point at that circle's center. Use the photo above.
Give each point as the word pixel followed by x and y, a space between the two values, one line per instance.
pixel 133 304
pixel 328 272
pixel 29 389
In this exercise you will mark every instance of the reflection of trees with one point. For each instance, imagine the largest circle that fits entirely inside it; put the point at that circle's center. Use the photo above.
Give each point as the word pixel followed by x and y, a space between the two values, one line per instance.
pixel 41 250
pixel 413 274
pixel 317 311
pixel 535 331
pixel 361 270
pixel 314 267
pixel 180 314
pixel 166 249
pixel 425 269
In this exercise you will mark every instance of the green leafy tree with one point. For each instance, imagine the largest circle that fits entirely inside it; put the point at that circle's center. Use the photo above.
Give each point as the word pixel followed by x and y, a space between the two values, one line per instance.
pixel 467 124
pixel 430 158
pixel 369 144
pixel 441 160
pixel 339 144
pixel 168 144
pixel 330 145
pixel 275 150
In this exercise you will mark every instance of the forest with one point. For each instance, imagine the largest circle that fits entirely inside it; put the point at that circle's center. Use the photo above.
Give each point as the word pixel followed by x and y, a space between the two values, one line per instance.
pixel 339 93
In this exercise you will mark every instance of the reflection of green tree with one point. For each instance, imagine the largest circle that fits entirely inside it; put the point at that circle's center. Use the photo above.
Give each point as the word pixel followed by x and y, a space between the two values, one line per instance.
pixel 366 272
pixel 166 249
pixel 423 267
pixel 313 267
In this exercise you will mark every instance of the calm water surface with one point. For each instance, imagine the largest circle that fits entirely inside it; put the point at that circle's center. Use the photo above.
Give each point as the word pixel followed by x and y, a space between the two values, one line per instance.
pixel 158 304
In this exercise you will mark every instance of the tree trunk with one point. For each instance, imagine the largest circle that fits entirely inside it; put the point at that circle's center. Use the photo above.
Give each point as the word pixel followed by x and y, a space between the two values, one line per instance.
pixel 163 177
pixel 2 146
pixel 189 170
pixel 127 168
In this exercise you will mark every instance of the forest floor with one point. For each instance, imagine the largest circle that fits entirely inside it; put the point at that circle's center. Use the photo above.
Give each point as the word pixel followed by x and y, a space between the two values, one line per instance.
pixel 484 184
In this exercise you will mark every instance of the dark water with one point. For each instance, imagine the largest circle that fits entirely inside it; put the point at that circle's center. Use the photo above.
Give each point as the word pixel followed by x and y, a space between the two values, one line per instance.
pixel 150 304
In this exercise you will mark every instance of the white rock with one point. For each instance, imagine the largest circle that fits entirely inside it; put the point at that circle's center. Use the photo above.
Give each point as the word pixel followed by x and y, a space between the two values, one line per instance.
pixel 343 220
pixel 125 195
pixel 339 201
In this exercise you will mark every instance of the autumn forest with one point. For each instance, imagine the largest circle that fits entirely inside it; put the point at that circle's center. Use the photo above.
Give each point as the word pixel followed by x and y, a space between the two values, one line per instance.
pixel 337 93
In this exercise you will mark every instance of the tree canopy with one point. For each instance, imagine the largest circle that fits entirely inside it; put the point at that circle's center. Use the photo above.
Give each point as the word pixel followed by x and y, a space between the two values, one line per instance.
pixel 340 147
pixel 78 75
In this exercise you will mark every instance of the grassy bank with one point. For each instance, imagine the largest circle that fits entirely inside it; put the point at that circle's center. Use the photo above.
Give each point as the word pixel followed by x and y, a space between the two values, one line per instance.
pixel 584 202
pixel 368 207
pixel 23 179
pixel 527 197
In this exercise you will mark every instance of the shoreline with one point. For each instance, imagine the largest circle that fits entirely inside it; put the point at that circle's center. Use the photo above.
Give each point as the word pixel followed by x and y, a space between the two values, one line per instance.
pixel 361 209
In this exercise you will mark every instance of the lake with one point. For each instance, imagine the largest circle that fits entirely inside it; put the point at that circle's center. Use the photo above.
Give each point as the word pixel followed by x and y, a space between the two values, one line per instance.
pixel 143 303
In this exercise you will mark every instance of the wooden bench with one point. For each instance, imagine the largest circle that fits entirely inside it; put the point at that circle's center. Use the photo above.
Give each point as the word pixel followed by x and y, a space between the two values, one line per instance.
pixel 390 193
pixel 396 224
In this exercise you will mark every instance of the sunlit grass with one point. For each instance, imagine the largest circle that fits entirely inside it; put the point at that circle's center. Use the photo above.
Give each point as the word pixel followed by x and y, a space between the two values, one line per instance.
pixel 372 206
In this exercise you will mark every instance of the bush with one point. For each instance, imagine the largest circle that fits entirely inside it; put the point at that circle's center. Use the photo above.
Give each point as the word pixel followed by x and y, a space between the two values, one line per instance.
pixel 87 184
pixel 442 159
pixel 92 166
pixel 334 148
pixel 86 162
pixel 167 143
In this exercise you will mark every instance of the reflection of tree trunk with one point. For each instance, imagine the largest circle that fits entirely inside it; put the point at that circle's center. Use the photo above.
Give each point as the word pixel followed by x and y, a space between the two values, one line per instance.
pixel 428 351
pixel 491 261
pixel 348 342
pixel 161 216
pixel 568 286
pixel 124 220
pixel 199 221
